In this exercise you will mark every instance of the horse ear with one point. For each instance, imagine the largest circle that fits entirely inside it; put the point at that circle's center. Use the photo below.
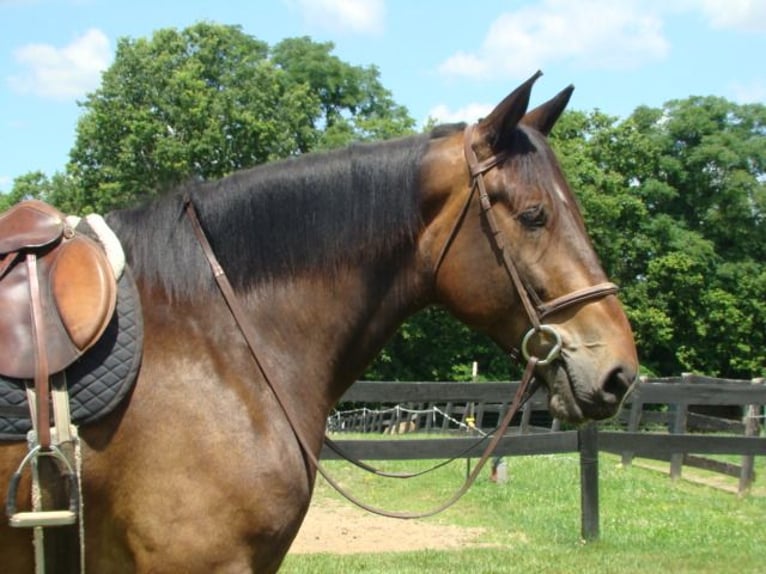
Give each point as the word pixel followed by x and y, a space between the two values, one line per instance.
pixel 507 114
pixel 544 116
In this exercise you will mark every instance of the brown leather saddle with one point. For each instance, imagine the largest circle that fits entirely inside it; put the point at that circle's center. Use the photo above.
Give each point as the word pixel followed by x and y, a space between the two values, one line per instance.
pixel 57 295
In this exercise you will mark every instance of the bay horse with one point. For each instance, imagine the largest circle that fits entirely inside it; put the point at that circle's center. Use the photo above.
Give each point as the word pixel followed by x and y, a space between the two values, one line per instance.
pixel 328 253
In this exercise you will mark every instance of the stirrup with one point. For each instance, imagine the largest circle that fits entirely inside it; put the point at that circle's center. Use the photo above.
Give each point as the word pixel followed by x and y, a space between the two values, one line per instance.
pixel 31 519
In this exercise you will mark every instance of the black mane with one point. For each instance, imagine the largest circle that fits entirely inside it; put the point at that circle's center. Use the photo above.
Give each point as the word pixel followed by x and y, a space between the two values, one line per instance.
pixel 314 212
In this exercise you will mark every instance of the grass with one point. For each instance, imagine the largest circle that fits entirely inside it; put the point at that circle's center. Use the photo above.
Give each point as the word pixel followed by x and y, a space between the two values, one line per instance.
pixel 532 523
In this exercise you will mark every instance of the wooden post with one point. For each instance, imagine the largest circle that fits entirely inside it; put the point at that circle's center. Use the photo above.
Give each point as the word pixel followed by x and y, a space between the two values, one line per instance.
pixel 445 419
pixel 634 418
pixel 526 415
pixel 752 428
pixel 430 418
pixel 470 418
pixel 679 427
pixel 588 446
pixel 480 415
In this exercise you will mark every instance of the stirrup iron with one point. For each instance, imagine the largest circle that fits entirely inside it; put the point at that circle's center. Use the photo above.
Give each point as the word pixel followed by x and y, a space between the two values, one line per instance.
pixel 34 518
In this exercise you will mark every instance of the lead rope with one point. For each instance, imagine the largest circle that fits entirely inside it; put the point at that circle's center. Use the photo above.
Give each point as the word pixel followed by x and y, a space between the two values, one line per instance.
pixel 250 336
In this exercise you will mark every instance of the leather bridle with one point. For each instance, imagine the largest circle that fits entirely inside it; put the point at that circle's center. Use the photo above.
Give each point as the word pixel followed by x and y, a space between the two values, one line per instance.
pixel 535 308
pixel 536 311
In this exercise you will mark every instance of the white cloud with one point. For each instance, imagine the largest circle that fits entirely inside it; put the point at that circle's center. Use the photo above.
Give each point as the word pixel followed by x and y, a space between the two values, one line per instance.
pixel 470 113
pixel 62 73
pixel 746 15
pixel 462 64
pixel 359 16
pixel 592 33
pixel 5 183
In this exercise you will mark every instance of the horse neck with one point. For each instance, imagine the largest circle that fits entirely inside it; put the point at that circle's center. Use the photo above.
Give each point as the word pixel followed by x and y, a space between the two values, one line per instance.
pixel 321 251
pixel 322 331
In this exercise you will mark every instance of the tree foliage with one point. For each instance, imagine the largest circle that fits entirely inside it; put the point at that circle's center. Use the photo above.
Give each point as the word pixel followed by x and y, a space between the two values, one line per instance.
pixel 674 197
pixel 208 100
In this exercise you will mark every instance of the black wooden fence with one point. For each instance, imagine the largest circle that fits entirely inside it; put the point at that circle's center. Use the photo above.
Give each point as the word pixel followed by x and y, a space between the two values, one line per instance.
pixel 654 423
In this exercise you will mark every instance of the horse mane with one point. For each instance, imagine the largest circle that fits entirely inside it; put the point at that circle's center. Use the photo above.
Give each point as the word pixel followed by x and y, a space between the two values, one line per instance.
pixel 318 211
pixel 313 213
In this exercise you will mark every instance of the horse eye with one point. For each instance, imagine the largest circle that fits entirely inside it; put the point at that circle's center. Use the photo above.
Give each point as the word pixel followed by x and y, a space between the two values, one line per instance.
pixel 533 217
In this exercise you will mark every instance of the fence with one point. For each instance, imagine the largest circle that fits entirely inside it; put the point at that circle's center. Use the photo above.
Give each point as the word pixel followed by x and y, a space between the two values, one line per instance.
pixel 470 405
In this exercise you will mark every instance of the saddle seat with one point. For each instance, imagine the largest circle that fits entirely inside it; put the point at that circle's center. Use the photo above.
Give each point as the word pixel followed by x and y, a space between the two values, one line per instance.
pixel 75 286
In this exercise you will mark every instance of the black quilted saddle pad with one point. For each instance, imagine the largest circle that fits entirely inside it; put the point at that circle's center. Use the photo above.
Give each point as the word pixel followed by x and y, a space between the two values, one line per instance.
pixel 98 380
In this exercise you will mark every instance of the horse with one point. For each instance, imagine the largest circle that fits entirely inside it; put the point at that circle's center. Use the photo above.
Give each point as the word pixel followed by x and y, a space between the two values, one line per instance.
pixel 327 253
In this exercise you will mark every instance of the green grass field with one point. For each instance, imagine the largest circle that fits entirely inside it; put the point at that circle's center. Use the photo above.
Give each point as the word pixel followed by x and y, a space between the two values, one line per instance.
pixel 532 523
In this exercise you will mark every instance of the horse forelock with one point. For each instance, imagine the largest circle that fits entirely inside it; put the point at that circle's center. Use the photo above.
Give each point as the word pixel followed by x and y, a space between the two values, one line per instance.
pixel 310 214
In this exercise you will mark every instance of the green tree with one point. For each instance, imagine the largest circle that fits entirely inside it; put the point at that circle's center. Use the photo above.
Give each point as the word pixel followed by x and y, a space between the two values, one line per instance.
pixel 433 346
pixel 60 189
pixel 209 100
pixel 354 104
pixel 674 200
pixel 673 197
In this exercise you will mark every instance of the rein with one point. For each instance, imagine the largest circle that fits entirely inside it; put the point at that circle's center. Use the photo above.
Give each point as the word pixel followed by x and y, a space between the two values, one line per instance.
pixel 535 309
pixel 248 332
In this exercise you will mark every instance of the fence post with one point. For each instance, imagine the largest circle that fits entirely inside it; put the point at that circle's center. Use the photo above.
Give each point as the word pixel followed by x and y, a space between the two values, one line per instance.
pixel 679 427
pixel 752 428
pixel 634 418
pixel 526 415
pixel 587 437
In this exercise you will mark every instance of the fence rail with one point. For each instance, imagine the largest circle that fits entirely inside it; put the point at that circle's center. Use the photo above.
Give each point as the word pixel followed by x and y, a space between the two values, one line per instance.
pixel 676 444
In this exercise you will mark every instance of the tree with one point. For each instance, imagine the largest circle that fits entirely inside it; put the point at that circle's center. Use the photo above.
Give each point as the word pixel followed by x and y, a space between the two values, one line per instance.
pixel 674 200
pixel 673 197
pixel 354 104
pixel 209 100
pixel 434 346
pixel 58 189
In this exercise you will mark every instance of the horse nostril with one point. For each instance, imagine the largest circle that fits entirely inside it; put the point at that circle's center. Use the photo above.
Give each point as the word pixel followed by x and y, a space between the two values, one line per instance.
pixel 616 386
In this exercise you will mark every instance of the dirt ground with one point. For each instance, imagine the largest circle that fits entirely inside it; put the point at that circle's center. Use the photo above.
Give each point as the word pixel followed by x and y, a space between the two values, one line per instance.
pixel 340 528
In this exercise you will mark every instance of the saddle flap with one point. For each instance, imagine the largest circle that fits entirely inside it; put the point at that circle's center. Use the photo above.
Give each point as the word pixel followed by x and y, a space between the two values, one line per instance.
pixel 77 293
pixel 84 290
pixel 30 224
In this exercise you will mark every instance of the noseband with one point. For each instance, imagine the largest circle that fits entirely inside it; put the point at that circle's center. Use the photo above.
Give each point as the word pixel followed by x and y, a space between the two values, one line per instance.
pixel 536 309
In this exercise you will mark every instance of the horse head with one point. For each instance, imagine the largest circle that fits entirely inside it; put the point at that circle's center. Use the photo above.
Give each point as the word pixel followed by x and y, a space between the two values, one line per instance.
pixel 511 257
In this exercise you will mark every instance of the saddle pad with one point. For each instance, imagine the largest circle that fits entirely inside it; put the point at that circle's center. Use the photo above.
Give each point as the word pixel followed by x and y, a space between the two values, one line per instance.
pixel 98 380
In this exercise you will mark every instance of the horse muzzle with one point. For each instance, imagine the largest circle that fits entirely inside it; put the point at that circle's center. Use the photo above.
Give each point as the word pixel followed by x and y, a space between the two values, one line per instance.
pixel 577 395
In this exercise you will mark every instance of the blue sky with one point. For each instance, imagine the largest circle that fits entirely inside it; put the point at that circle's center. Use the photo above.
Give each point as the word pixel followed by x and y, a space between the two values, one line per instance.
pixel 440 58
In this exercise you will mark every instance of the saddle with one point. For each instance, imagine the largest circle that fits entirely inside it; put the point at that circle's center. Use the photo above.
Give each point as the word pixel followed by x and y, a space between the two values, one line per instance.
pixel 57 295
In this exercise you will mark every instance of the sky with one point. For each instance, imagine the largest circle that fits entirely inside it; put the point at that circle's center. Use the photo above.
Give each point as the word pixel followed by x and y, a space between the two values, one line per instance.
pixel 449 60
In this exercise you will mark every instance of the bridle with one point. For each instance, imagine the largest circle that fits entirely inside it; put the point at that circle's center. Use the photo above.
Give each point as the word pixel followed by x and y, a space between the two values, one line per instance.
pixel 536 311
pixel 535 308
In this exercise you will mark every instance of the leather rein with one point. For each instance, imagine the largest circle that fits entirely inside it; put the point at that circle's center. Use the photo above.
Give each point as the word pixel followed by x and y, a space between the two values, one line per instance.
pixel 535 309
